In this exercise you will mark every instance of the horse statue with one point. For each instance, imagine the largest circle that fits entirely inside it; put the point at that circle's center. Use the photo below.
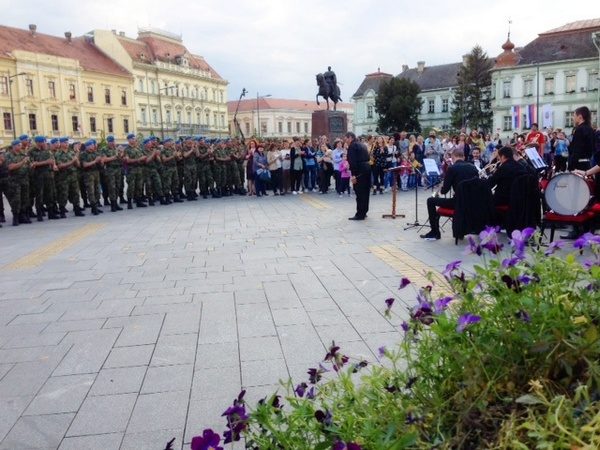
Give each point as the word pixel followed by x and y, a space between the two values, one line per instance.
pixel 328 89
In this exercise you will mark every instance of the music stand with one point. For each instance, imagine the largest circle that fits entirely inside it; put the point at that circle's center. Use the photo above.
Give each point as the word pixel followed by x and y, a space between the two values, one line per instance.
pixel 394 171
pixel 416 223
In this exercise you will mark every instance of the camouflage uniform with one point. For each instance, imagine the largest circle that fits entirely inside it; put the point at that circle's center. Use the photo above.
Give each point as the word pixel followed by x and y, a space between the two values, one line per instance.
pixel 152 178
pixel 169 176
pixel 190 175
pixel 233 176
pixel 91 178
pixel 67 182
pixel 134 175
pixel 43 183
pixel 112 174
pixel 239 156
pixel 205 177
pixel 219 169
pixel 17 188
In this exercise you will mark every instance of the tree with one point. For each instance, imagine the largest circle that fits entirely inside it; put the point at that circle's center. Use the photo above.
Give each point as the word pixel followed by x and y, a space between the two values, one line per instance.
pixel 398 105
pixel 471 104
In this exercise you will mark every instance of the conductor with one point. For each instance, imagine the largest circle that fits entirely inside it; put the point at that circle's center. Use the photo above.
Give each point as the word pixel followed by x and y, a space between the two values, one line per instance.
pixel 358 158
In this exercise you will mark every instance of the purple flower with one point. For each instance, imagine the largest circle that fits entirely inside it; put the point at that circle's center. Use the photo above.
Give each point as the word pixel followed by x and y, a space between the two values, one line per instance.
pixel 208 441
pixel 489 239
pixel 523 316
pixel 556 245
pixel 382 350
pixel 326 418
pixel 511 262
pixel 588 263
pixel 405 327
pixel 337 359
pixel 451 267
pixel 311 393
pixel 341 445
pixel 404 282
pixel 314 375
pixel 389 302
pixel 587 240
pixel 525 279
pixel 359 365
pixel 237 419
pixel 301 389
pixel 423 314
pixel 411 381
pixel 440 305
pixel 466 320
pixel 474 247
pixel 519 239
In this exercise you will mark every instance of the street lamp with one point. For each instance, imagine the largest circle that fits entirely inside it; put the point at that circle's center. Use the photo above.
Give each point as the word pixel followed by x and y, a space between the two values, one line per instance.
pixel 596 41
pixel 12 109
pixel 258 111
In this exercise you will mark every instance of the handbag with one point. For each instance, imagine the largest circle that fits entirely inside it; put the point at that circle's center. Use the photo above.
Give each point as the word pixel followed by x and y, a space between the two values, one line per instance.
pixel 265 175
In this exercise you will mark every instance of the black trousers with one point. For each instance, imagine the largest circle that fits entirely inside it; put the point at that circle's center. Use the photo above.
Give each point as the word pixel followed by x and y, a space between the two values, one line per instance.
pixel 362 189
pixel 434 218
pixel 276 180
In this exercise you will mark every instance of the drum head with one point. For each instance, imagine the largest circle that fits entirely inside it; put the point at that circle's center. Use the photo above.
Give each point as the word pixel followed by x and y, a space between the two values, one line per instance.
pixel 567 194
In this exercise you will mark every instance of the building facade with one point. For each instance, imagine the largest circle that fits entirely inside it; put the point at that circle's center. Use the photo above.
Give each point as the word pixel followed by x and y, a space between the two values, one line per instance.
pixel 61 86
pixel 547 79
pixel 175 91
pixel 365 115
pixel 279 118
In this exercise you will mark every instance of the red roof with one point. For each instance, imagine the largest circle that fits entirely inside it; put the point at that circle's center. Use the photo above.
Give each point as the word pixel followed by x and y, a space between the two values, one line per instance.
pixel 587 24
pixel 282 104
pixel 80 49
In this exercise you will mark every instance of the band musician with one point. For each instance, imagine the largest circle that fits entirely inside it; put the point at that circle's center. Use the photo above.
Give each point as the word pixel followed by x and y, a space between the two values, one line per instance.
pixel 459 171
pixel 502 179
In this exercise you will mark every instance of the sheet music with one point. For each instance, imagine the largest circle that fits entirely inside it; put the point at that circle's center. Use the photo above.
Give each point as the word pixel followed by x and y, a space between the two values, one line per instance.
pixel 431 166
pixel 535 158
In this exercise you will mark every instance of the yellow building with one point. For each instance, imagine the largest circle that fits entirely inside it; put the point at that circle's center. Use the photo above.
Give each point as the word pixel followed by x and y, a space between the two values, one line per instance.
pixel 61 86
pixel 176 92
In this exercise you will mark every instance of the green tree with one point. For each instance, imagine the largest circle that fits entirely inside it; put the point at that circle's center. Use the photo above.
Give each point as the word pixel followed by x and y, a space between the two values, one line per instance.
pixel 398 105
pixel 471 104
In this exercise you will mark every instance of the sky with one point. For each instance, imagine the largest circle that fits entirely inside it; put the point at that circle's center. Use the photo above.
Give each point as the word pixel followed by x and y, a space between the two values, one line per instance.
pixel 277 47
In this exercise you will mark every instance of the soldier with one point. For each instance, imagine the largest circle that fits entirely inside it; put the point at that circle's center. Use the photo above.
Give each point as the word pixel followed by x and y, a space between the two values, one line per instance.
pixel 3 183
pixel 17 163
pixel 169 177
pixel 151 176
pixel 232 174
pixel 205 178
pixel 66 179
pixel 219 172
pixel 240 157
pixel 43 167
pixel 77 148
pixel 134 158
pixel 180 164
pixel 112 171
pixel 90 164
pixel 189 169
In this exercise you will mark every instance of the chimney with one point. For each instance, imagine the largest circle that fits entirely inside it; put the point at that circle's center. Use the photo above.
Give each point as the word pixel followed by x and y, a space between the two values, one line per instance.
pixel 32 28
pixel 420 66
pixel 68 36
pixel 404 68
pixel 122 33
pixel 465 60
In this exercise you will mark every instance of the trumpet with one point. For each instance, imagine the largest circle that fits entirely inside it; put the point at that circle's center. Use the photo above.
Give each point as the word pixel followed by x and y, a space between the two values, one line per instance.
pixel 489 169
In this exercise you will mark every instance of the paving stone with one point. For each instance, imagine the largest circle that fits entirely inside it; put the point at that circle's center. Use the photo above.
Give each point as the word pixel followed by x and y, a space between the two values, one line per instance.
pixel 206 413
pixel 301 343
pixel 255 320
pixel 75 325
pixel 259 373
pixel 168 379
pixel 182 322
pixel 124 380
pixel 61 395
pixel 105 414
pixel 11 409
pixel 37 432
pixel 260 348
pixel 110 441
pixel 129 356
pixel 175 349
pixel 292 316
pixel 162 411
pixel 153 440
pixel 25 378
pixel 225 354
pixel 216 382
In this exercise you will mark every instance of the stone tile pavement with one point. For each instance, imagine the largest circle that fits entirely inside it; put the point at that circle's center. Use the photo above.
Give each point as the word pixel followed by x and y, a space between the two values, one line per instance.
pixel 125 330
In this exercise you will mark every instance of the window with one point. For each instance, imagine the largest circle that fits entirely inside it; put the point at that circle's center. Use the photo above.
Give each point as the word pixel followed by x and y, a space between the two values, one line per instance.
pixel 215 123
pixel 571 83
pixel 124 97
pixel 289 127
pixel 72 95
pixel 506 89
pixel 4 85
pixel 8 125
pixel 198 118
pixel 143 115
pixel 168 116
pixel 52 89
pixel 213 95
pixel 179 117
pixel 280 127
pixel 370 111
pixel 594 115
pixel 263 128
pixel 153 86
pixel 593 81
pixel 569 119
pixel 93 124
pixel 493 91
pixel 109 125
pixel 223 121
pixel 445 105
pixel 125 126
pixel 90 90
pixel 75 123
pixel 247 128
pixel 189 117
pixel 107 96
pixel 154 116
pixel 527 88
pixel 29 86
pixel 297 127
pixel 507 123
pixel 141 85
pixel 548 85
pixel 32 122
pixel 431 106
pixel 221 94
pixel 54 121
pixel 207 115
pixel 305 127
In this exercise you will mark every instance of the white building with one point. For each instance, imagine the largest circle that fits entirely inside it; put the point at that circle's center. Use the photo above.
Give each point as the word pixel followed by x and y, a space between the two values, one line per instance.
pixel 279 118
pixel 365 116
pixel 547 79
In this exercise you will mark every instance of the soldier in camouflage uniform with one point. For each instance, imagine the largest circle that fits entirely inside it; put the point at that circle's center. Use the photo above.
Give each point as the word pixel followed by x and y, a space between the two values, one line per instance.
pixel 180 165
pixel 66 179
pixel 3 183
pixel 233 175
pixel 219 168
pixel 43 166
pixel 190 173
pixel 112 171
pixel 17 163
pixel 91 161
pixel 135 159
pixel 240 156
pixel 169 176
pixel 151 176
pixel 53 146
pixel 205 178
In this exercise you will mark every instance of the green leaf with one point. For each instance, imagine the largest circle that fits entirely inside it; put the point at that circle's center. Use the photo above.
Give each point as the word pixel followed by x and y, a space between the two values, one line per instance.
pixel 528 399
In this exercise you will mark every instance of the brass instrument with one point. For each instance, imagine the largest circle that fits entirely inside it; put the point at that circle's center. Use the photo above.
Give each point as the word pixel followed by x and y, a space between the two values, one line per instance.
pixel 489 169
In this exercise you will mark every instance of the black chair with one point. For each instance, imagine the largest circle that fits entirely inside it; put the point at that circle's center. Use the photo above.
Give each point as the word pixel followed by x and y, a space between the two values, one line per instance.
pixel 473 210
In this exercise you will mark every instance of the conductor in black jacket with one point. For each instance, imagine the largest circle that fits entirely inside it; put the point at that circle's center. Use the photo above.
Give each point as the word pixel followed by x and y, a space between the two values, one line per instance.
pixel 459 171
pixel 358 158
pixel 505 174
pixel 581 148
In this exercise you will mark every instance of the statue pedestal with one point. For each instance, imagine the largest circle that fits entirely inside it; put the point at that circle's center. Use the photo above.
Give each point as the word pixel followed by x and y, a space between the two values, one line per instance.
pixel 333 124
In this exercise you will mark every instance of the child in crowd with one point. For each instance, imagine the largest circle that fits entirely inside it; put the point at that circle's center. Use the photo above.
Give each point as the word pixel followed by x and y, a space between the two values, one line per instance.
pixel 344 175
pixel 561 152
pixel 406 169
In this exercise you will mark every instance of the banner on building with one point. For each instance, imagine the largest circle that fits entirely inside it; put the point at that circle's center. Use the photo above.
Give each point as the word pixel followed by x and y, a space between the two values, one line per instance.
pixel 547 116
pixel 515 112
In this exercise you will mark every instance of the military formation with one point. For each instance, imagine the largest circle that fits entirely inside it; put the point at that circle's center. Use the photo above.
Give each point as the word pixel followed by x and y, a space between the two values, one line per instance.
pixel 40 177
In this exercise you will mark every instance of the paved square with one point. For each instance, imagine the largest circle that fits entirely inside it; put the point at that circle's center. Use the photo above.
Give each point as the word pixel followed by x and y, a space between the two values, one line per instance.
pixel 124 330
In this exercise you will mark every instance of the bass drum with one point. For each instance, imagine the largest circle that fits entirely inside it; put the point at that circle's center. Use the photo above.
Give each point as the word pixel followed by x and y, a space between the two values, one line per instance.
pixel 568 194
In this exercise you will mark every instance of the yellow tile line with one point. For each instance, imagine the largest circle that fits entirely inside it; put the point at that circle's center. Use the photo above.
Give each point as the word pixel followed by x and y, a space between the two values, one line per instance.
pixel 410 267
pixel 42 254
pixel 315 203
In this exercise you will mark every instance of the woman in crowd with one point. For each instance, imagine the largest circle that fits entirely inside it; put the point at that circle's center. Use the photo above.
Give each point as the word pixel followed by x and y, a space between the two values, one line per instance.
pixel 286 165
pixel 391 161
pixel 379 157
pixel 337 154
pixel 310 166
pixel 250 174
pixel 260 166
pixel 326 165
pixel 297 166
pixel 274 159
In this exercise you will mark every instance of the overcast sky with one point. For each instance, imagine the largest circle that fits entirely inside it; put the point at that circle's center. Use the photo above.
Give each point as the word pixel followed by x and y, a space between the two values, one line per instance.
pixel 277 47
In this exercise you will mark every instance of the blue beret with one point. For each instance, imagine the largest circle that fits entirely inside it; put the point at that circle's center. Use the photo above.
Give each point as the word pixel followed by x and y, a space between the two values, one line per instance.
pixel 23 137
pixel 167 140
pixel 130 136
pixel 39 139
pixel 90 142
pixel 110 139
pixel 153 138
pixel 63 139
pixel 15 142
pixel 145 141
pixel 54 141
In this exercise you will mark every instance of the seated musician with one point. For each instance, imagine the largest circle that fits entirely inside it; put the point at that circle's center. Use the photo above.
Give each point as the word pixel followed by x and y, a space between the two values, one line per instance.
pixel 460 170
pixel 502 179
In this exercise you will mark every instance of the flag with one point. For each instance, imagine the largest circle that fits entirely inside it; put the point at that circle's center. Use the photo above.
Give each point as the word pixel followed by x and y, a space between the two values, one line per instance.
pixel 515 111
pixel 527 116
pixel 547 115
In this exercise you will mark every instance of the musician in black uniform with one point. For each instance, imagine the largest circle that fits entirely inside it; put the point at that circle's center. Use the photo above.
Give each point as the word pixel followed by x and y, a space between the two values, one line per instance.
pixel 502 179
pixel 582 145
pixel 459 171
pixel 358 158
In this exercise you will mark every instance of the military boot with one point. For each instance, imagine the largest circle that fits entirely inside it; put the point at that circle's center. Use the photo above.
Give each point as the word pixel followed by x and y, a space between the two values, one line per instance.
pixel 177 199
pixel 2 218
pixel 62 215
pixel 94 209
pixel 15 220
pixel 24 218
pixel 163 201
pixel 52 215
pixel 113 207
pixel 122 200
pixel 168 200
pixel 129 205
pixel 78 212
pixel 140 203
pixel 117 206
pixel 150 201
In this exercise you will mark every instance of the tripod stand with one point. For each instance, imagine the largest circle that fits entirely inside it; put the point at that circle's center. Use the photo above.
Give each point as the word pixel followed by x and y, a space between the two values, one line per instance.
pixel 416 223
